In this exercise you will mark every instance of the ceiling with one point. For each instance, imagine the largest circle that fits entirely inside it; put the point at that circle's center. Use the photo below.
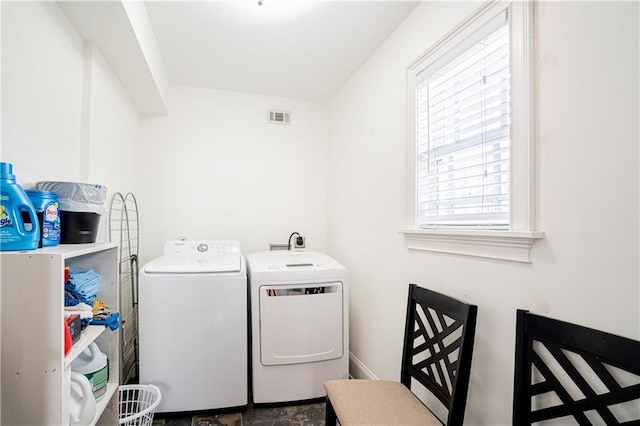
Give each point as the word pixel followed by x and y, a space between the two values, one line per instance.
pixel 304 49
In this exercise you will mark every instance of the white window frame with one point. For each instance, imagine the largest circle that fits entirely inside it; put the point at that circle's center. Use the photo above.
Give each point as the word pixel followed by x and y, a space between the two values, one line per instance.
pixel 515 243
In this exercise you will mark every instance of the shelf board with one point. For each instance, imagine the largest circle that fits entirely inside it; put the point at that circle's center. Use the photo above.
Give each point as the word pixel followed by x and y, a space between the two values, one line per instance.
pixel 88 335
pixel 102 403
pixel 68 251
pixel 74 250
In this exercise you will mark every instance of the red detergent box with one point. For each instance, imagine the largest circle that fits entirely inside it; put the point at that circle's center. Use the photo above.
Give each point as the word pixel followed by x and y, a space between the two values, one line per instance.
pixel 73 321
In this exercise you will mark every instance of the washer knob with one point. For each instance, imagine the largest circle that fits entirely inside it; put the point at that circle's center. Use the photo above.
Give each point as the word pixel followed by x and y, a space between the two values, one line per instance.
pixel 202 247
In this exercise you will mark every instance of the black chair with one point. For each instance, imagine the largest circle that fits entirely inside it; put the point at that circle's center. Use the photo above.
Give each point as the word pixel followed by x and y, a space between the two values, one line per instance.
pixel 564 371
pixel 437 351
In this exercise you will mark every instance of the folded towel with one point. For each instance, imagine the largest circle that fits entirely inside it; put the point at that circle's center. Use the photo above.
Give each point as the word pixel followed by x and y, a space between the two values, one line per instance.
pixel 78 307
pixel 85 281
pixel 72 296
pixel 82 314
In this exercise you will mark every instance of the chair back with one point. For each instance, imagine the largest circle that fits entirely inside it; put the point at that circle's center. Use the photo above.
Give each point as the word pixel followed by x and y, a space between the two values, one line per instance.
pixel 438 347
pixel 566 371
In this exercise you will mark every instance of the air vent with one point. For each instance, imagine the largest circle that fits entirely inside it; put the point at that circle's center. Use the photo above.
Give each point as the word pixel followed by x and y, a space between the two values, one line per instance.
pixel 278 117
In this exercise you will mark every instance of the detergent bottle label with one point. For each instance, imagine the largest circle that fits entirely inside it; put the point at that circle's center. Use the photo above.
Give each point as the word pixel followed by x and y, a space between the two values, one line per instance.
pixel 50 225
pixel 8 234
pixel 5 220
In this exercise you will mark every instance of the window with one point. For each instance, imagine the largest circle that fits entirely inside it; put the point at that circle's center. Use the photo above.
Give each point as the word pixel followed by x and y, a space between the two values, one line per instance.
pixel 462 120
pixel 469 187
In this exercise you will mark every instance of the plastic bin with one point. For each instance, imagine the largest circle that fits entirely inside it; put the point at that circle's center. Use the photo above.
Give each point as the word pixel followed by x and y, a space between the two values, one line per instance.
pixel 138 404
pixel 81 205
pixel 78 227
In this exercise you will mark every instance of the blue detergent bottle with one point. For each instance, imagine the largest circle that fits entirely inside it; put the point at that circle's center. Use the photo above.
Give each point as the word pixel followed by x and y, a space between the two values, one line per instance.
pixel 46 205
pixel 14 235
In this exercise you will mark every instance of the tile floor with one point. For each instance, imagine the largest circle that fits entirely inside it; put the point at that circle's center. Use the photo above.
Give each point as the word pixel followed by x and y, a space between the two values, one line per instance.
pixel 297 415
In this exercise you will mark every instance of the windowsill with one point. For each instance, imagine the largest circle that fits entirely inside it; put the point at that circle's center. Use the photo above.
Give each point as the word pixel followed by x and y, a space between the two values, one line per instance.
pixel 513 246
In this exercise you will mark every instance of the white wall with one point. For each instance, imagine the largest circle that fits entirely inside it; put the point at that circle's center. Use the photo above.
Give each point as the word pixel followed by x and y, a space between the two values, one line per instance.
pixel 114 132
pixel 65 117
pixel 214 169
pixel 586 268
pixel 41 100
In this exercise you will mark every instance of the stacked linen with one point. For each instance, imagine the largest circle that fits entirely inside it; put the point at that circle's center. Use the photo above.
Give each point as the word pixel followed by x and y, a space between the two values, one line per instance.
pixel 86 282
pixel 80 291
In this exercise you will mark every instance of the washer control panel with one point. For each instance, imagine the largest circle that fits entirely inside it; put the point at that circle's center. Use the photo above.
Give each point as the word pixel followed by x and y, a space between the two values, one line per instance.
pixel 202 247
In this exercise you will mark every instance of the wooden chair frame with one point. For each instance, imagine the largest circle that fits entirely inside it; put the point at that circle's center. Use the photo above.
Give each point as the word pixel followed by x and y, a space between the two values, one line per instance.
pixel 436 326
pixel 459 371
pixel 597 349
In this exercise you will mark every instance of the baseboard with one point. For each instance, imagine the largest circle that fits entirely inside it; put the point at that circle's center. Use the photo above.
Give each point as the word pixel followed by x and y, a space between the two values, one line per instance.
pixel 357 370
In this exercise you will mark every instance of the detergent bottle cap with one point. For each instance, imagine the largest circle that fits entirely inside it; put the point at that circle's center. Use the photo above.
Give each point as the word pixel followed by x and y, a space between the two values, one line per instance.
pixel 6 171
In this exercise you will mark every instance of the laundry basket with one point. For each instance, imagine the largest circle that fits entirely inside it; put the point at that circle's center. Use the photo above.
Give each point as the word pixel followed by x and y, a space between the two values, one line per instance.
pixel 137 404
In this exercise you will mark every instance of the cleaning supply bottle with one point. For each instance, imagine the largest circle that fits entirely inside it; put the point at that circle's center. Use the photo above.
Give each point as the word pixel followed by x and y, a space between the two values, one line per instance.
pixel 17 231
pixel 82 404
pixel 94 364
pixel 46 205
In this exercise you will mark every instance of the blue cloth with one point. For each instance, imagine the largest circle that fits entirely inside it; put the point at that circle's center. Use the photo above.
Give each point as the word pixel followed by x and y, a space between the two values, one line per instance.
pixel 72 296
pixel 111 321
pixel 86 282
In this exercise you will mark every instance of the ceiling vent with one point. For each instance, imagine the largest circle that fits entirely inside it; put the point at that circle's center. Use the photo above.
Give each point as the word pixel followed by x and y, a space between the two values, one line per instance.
pixel 278 117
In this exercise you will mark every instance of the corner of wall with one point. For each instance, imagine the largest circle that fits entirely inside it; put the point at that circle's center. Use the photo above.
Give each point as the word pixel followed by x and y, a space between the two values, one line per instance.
pixel 357 370
pixel 123 34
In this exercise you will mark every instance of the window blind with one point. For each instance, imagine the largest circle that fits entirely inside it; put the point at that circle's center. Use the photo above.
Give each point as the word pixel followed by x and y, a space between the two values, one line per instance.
pixel 463 138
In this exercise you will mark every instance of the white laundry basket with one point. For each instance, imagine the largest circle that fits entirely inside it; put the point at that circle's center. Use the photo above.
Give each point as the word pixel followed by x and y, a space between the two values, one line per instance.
pixel 137 404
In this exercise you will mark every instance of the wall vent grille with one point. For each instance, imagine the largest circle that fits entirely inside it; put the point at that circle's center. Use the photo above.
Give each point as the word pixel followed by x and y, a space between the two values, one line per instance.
pixel 278 117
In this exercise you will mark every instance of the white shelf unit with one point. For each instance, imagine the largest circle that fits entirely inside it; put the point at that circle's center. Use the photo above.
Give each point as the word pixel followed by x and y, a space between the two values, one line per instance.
pixel 34 371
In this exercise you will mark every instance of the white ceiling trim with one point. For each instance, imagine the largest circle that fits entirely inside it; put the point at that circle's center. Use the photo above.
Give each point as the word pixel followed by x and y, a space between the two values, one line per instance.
pixel 125 39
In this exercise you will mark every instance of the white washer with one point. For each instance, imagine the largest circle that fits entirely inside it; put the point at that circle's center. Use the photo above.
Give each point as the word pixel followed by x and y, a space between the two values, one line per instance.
pixel 299 324
pixel 193 326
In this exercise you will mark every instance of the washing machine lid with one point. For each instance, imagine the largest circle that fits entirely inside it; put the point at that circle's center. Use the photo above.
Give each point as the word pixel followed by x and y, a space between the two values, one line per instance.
pixel 197 257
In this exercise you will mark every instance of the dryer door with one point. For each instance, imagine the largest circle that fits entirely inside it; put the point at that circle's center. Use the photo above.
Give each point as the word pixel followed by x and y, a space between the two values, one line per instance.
pixel 301 323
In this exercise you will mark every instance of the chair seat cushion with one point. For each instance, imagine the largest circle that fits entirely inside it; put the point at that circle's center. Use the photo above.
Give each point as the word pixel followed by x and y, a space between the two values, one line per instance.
pixel 377 402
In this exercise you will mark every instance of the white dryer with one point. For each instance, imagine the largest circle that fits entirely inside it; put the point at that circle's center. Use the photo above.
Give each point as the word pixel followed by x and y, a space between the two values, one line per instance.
pixel 299 324
pixel 193 326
